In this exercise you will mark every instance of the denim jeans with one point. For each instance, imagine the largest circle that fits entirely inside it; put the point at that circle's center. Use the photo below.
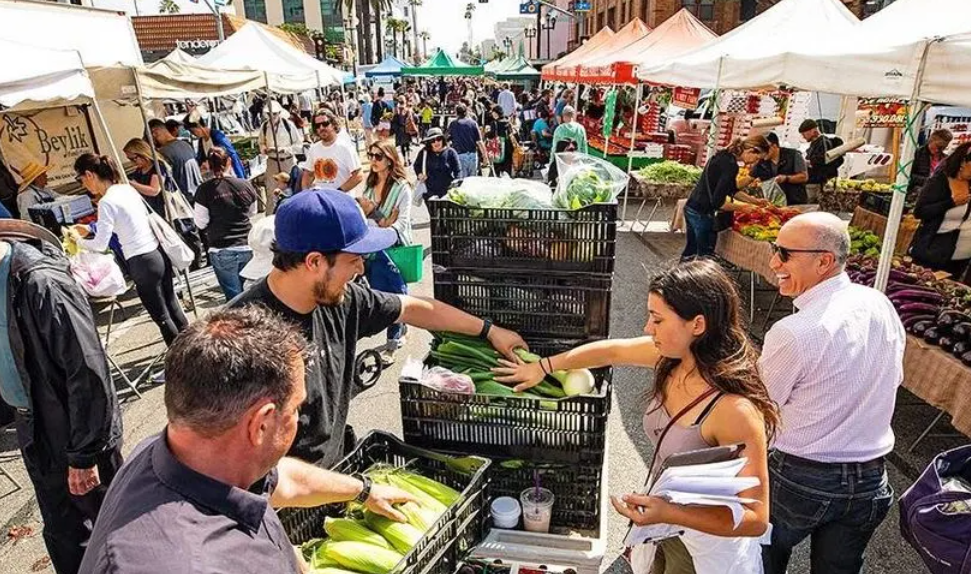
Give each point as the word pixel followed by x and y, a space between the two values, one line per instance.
pixel 837 505
pixel 227 263
pixel 468 164
pixel 700 232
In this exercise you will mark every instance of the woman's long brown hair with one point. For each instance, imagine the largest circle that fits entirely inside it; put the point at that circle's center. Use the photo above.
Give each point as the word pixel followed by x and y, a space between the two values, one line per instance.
pixel 724 355
pixel 396 169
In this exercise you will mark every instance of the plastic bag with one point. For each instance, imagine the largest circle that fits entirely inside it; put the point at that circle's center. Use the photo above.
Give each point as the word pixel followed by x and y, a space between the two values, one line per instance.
pixel 585 180
pixel 446 381
pixel 98 274
pixel 772 191
pixel 502 192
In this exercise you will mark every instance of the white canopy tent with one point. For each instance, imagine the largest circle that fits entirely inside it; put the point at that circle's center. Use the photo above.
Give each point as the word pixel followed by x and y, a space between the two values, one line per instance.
pixel 287 69
pixel 176 56
pixel 758 53
pixel 40 76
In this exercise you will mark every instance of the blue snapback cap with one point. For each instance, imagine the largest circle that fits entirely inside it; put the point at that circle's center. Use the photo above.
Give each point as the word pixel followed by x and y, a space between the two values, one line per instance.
pixel 327 221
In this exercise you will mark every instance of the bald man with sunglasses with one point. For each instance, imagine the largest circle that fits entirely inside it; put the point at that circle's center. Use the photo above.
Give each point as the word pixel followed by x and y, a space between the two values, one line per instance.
pixel 834 368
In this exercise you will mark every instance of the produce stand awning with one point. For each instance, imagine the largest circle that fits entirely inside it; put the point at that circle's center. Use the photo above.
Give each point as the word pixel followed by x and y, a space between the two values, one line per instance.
pixel 760 52
pixel 289 69
pixel 441 64
pixel 677 35
pixel 635 30
pixel 176 80
pixel 518 69
pixel 39 76
pixel 552 71
pixel 391 66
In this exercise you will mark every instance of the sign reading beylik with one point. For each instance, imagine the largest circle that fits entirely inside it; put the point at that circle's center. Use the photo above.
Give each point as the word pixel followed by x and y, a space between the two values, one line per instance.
pixel 53 137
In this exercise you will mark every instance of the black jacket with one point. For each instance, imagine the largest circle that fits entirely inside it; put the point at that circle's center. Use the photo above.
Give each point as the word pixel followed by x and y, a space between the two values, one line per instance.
pixel 920 172
pixel 819 171
pixel 74 413
pixel 930 248
pixel 443 168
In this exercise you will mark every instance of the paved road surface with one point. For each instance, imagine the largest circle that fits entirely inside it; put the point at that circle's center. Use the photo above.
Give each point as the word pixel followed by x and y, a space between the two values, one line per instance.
pixel 135 342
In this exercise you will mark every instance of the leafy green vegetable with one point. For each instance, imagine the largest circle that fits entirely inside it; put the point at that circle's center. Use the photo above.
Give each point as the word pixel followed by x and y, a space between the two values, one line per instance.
pixel 586 188
pixel 671 172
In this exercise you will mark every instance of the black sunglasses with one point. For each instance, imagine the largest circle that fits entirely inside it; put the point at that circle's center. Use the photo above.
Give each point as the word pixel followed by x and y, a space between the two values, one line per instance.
pixel 785 253
pixel 377 156
pixel 324 124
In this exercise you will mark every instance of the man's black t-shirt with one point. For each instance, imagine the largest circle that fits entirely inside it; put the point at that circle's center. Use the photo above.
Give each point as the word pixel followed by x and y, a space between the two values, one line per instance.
pixel 331 384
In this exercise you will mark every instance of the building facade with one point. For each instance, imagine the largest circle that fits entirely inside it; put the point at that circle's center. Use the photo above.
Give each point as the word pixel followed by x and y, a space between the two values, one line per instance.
pixel 719 15
pixel 322 15
pixel 552 41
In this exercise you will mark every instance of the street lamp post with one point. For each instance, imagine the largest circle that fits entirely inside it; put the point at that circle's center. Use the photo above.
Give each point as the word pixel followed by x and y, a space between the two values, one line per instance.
pixel 532 32
pixel 507 44
pixel 548 26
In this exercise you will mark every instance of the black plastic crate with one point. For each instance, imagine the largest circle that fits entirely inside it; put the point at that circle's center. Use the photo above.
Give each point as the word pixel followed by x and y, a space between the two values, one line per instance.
pixel 462 521
pixel 468 535
pixel 571 306
pixel 536 239
pixel 876 202
pixel 577 489
pixel 571 430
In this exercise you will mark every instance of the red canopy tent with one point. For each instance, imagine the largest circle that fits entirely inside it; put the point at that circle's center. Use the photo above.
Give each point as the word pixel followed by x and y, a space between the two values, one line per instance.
pixel 635 30
pixel 675 36
pixel 552 71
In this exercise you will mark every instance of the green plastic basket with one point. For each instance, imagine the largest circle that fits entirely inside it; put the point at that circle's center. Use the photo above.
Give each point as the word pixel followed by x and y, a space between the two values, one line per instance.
pixel 408 259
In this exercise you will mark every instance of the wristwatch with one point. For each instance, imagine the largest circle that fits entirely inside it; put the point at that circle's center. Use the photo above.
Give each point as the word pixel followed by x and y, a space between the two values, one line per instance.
pixel 366 491
pixel 486 327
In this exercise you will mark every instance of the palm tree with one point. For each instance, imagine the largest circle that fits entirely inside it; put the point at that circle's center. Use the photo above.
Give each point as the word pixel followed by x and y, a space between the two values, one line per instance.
pixel 365 8
pixel 424 36
pixel 394 26
pixel 469 9
pixel 414 22
pixel 169 7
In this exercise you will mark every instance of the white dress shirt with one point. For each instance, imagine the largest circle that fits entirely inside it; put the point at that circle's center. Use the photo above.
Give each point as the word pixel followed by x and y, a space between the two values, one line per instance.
pixel 507 101
pixel 287 143
pixel 122 211
pixel 834 368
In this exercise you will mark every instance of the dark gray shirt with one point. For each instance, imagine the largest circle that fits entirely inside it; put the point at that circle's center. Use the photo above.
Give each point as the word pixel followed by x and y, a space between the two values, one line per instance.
pixel 161 516
pixel 185 167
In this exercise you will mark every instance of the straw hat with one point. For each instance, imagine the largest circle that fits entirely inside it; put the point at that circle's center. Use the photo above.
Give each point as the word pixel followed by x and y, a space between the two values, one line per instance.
pixel 275 107
pixel 29 173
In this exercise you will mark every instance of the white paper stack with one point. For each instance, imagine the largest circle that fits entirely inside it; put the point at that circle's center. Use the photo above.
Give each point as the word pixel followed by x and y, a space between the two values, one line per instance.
pixel 714 484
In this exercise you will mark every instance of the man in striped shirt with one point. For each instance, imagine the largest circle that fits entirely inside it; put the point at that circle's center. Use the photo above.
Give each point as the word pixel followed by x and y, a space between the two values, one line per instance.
pixel 833 368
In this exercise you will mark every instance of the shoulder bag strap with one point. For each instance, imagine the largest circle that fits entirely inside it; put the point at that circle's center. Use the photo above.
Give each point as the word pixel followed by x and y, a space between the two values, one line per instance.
pixel 674 419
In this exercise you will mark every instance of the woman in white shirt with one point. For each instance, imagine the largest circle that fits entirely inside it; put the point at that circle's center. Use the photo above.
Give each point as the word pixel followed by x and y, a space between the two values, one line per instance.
pixel 123 212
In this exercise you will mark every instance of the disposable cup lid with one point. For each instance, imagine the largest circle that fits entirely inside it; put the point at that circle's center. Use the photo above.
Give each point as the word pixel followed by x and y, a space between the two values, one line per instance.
pixel 537 497
pixel 505 505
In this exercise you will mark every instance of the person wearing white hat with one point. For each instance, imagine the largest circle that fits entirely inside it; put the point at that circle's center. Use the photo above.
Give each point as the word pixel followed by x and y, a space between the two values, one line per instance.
pixel 280 142
pixel 33 188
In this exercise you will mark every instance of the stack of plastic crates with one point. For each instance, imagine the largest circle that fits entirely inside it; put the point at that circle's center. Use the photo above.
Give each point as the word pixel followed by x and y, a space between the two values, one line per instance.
pixel 546 274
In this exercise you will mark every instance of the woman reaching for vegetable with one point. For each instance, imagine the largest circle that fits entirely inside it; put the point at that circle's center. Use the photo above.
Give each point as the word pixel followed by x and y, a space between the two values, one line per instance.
pixel 706 380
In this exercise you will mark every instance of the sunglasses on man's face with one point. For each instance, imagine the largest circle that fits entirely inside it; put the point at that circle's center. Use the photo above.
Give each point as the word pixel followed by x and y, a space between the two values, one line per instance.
pixel 785 253
pixel 324 124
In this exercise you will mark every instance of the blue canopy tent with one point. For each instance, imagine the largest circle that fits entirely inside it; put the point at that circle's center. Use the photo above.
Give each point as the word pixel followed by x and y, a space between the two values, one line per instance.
pixel 391 66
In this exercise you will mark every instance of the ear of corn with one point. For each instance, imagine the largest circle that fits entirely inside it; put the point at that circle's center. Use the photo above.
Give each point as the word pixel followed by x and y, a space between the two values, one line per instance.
pixel 444 494
pixel 426 500
pixel 363 557
pixel 418 516
pixel 315 553
pixel 401 535
pixel 333 570
pixel 345 529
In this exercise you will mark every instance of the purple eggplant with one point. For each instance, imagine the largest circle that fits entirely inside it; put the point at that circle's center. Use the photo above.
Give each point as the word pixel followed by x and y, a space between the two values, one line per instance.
pixel 960 348
pixel 921 327
pixel 946 343
pixel 896 287
pixel 966 359
pixel 911 321
pixel 902 277
pixel 962 331
pixel 932 335
pixel 949 318
pixel 918 295
pixel 915 307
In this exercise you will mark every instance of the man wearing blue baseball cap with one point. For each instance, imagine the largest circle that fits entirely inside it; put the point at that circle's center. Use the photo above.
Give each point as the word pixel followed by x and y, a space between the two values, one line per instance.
pixel 321 240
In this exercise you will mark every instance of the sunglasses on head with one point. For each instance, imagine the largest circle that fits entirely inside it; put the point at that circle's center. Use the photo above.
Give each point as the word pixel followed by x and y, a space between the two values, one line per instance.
pixel 785 253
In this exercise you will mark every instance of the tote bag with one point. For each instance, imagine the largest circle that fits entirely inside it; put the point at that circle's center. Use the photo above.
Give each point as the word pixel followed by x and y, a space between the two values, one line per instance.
pixel 172 245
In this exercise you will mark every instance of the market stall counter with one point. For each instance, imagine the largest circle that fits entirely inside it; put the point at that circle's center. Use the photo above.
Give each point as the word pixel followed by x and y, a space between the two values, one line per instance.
pixel 940 380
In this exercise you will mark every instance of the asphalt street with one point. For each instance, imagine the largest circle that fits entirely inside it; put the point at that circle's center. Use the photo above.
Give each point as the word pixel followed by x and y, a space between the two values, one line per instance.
pixel 135 343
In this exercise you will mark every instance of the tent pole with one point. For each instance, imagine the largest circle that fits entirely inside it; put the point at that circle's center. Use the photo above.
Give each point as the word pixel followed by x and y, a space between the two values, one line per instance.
pixel 104 128
pixel 713 128
pixel 158 171
pixel 630 154
pixel 905 163
pixel 269 121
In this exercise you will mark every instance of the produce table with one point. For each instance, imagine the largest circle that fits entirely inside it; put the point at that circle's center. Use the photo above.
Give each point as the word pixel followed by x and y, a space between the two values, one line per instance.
pixel 940 380
pixel 838 201
pixel 641 187
pixel 746 253
pixel 865 219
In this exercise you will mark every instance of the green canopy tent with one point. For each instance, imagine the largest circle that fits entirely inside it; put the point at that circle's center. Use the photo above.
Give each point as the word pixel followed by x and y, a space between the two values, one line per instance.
pixel 494 66
pixel 518 69
pixel 441 64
